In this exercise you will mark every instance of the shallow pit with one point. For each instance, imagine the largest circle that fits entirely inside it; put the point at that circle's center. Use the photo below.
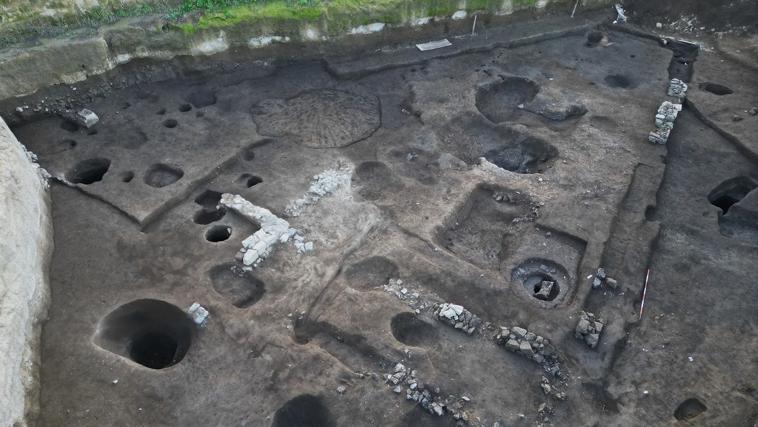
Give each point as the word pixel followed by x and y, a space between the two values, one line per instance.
pixel 69 126
pixel 152 333
pixel 202 98
pixel 249 180
pixel 371 273
pixel 305 410
pixel 410 330
pixel 618 81
pixel 126 176
pixel 716 89
pixel 689 409
pixel 161 175
pixel 239 287
pixel 501 100
pixel 170 123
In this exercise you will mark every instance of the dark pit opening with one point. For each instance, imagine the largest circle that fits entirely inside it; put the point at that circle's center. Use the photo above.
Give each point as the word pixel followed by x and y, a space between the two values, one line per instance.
pixel 541 278
pixel 127 176
pixel 185 107
pixel 208 199
pixel 154 350
pixel 618 81
pixel 207 216
pixel 730 192
pixel 529 156
pixel 305 410
pixel 239 287
pixel 249 180
pixel 170 123
pixel 160 175
pixel 69 126
pixel 150 332
pixel 218 233
pixel 542 286
pixel 716 89
pixel 499 101
pixel 88 171
pixel 410 330
pixel 689 409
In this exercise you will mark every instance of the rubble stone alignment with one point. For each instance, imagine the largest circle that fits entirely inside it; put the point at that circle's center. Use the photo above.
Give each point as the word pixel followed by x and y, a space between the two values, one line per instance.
pixel 404 378
pixel 323 184
pixel 588 329
pixel 457 317
pixel 26 244
pixel 668 111
pixel 677 89
pixel 664 122
pixel 532 346
pixel 274 230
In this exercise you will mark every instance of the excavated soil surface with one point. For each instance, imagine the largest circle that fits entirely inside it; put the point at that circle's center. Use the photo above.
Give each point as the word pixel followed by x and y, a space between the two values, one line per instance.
pixel 472 179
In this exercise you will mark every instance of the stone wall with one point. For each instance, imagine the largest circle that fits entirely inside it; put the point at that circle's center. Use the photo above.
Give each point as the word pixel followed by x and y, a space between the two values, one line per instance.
pixel 26 243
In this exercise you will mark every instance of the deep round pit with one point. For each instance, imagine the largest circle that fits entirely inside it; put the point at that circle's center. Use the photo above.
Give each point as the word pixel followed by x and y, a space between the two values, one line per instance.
pixel 152 333
pixel 207 216
pixel 154 350
pixel 170 123
pixel 535 282
pixel 218 233
pixel 543 280
pixel 88 171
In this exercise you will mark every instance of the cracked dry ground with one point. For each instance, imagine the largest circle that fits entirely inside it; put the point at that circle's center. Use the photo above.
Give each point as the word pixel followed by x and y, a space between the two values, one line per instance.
pixel 468 175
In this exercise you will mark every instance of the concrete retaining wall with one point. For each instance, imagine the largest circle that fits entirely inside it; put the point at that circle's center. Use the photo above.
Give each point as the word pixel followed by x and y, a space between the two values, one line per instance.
pixel 26 243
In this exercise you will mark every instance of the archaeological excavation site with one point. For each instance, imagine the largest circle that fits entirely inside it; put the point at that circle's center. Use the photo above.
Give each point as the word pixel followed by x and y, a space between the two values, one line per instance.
pixel 311 213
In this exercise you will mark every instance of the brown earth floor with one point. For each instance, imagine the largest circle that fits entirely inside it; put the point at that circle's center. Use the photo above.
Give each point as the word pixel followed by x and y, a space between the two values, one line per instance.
pixel 463 170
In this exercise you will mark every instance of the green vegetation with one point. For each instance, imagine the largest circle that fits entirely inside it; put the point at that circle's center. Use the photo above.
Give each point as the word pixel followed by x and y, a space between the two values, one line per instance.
pixel 194 15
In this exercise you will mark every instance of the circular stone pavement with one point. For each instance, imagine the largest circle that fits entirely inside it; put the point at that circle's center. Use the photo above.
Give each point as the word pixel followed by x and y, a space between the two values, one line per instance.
pixel 324 118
